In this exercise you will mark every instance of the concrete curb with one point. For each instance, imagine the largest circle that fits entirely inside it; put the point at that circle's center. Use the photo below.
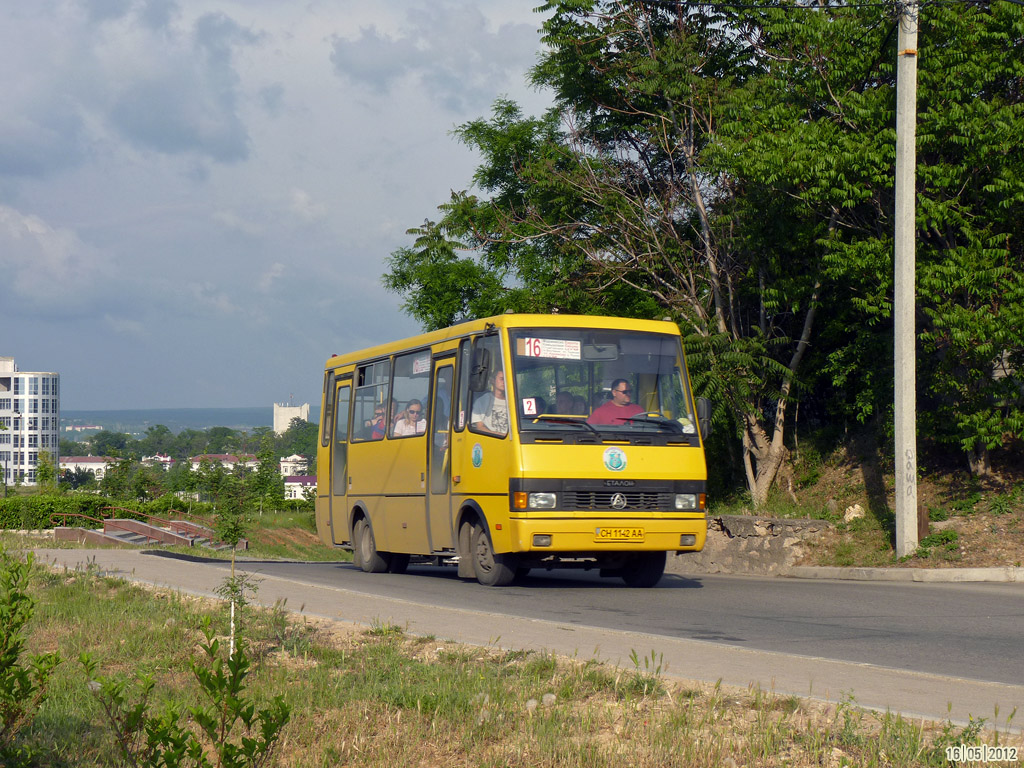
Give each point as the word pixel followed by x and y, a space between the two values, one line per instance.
pixel 945 575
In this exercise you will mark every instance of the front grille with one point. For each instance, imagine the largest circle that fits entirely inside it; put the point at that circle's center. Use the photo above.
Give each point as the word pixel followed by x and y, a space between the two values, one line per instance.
pixel 635 500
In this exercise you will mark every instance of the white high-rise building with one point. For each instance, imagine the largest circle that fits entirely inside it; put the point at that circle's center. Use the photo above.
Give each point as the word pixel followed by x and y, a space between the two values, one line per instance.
pixel 285 412
pixel 29 420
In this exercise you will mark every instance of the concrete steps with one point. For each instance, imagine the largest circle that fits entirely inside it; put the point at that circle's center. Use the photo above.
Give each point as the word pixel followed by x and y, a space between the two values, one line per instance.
pixel 126 532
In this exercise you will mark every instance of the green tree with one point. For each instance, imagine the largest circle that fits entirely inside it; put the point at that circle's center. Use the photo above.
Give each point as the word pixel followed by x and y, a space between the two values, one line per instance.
pixel 68 447
pixel 222 440
pixel 301 438
pixel 211 480
pixel 618 202
pixel 267 483
pixel 117 479
pixel 106 443
pixel 46 473
pixel 732 167
pixel 158 440
pixel 189 443
pixel 817 128
pixel 23 679
pixel 79 477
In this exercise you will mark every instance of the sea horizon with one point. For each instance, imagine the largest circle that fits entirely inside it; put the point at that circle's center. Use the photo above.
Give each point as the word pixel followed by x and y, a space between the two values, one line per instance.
pixel 138 420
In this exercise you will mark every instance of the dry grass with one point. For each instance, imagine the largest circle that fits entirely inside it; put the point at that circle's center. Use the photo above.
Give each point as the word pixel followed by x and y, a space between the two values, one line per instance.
pixel 379 697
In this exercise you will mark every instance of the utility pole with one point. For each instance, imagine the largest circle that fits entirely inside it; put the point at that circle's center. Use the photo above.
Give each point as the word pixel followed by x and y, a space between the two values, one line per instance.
pixel 904 289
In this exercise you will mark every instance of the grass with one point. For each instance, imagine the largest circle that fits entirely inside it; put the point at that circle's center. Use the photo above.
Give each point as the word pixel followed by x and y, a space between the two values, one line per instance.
pixel 271 536
pixel 380 697
pixel 975 522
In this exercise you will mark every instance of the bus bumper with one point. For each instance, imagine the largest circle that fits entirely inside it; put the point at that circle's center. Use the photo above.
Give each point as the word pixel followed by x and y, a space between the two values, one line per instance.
pixel 590 535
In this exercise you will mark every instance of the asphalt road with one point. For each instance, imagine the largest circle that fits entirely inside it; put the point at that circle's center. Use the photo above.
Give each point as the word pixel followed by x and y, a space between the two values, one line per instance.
pixel 922 649
pixel 965 630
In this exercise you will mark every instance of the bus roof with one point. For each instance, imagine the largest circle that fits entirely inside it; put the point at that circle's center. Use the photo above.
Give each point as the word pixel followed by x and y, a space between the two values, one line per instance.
pixel 508 320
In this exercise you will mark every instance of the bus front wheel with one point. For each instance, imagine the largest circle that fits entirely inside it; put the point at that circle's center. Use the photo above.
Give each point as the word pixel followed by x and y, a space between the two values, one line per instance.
pixel 644 569
pixel 492 569
pixel 370 560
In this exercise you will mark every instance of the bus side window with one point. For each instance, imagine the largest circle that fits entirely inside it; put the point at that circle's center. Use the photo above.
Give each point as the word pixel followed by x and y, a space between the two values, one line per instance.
pixel 370 421
pixel 410 387
pixel 460 414
pixel 339 470
pixel 325 417
pixel 489 412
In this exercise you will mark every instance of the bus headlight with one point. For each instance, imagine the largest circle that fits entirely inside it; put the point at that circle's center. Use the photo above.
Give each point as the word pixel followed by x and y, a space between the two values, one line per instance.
pixel 686 501
pixel 542 501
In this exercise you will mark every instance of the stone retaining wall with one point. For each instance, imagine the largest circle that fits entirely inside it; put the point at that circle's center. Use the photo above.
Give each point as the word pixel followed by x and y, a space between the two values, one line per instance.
pixel 752 545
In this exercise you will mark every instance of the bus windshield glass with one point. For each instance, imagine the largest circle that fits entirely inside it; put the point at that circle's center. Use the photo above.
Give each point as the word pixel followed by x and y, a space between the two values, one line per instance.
pixel 600 380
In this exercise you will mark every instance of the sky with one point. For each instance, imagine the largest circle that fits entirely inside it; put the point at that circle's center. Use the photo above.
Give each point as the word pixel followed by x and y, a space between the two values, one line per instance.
pixel 198 197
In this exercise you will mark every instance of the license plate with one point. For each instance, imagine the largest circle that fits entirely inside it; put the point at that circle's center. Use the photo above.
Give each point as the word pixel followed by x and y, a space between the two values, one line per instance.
pixel 618 534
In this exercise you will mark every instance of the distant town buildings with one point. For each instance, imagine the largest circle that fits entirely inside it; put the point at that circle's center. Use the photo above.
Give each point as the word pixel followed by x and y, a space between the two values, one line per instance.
pixel 226 460
pixel 295 486
pixel 284 413
pixel 29 420
pixel 294 465
pixel 98 465
pixel 159 460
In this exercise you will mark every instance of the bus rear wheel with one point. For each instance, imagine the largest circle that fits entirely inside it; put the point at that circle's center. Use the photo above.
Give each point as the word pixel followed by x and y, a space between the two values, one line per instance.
pixel 492 569
pixel 644 569
pixel 370 560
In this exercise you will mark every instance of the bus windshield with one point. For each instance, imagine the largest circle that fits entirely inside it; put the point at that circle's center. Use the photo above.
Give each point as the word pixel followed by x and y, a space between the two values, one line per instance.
pixel 600 381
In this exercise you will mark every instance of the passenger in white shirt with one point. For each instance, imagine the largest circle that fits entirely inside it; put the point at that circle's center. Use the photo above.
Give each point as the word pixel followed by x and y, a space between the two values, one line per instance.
pixel 412 421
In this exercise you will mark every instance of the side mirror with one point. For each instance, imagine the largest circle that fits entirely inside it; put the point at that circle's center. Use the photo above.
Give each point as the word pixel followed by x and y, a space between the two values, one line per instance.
pixel 479 369
pixel 704 417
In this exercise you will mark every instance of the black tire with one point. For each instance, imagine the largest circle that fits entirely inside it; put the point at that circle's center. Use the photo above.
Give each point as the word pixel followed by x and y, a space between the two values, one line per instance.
pixel 357 530
pixel 399 562
pixel 644 569
pixel 371 561
pixel 465 550
pixel 492 570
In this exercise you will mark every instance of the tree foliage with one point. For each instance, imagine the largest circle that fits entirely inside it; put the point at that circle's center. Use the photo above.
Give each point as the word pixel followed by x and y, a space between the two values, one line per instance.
pixel 732 167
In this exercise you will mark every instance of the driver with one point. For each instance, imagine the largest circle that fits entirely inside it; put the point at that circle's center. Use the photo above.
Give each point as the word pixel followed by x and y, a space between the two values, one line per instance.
pixel 619 408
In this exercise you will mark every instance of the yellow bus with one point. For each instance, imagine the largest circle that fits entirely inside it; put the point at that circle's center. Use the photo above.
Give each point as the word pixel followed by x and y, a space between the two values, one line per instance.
pixel 513 443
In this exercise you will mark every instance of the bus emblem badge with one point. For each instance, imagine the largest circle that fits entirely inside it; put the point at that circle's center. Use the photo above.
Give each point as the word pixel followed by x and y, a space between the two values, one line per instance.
pixel 615 459
pixel 618 501
pixel 478 455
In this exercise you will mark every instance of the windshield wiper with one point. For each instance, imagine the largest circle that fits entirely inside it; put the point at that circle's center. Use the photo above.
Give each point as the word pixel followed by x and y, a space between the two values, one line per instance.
pixel 655 418
pixel 566 420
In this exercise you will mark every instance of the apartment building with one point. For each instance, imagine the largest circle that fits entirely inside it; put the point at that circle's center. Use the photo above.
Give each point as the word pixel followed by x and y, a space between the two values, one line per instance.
pixel 29 420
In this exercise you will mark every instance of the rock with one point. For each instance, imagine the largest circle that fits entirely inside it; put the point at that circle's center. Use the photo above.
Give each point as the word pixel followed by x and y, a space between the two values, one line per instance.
pixel 853 513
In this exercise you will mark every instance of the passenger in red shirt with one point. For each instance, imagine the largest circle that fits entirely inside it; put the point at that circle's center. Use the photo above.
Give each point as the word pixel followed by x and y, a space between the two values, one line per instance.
pixel 616 410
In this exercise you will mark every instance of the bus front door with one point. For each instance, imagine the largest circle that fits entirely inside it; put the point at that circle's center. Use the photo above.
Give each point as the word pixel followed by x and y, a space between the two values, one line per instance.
pixel 439 522
pixel 339 464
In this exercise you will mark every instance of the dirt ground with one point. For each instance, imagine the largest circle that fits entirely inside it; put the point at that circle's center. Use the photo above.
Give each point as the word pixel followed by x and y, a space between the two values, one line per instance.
pixel 972 522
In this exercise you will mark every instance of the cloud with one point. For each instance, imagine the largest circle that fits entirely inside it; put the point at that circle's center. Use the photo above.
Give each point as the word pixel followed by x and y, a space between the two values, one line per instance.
pixel 187 101
pixel 222 182
pixel 268 278
pixel 37 139
pixel 451 50
pixel 126 326
pixel 238 223
pixel 208 298
pixel 46 266
pixel 303 207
